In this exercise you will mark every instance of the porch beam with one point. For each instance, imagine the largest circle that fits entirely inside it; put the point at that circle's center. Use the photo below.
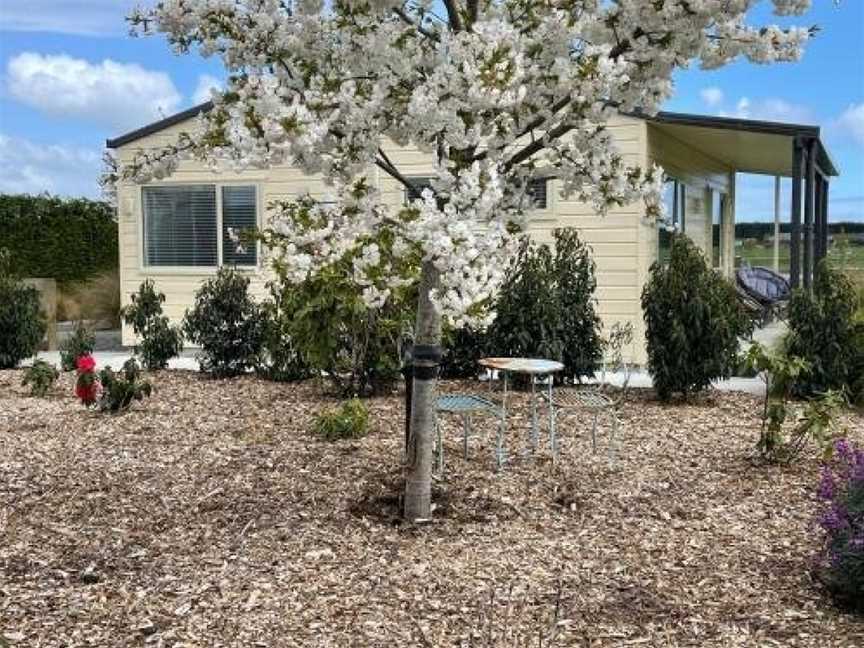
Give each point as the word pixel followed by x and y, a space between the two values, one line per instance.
pixel 795 216
pixel 809 210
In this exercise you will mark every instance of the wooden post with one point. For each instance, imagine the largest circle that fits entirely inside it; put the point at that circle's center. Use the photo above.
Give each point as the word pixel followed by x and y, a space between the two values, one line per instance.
pixel 776 223
pixel 795 217
pixel 825 233
pixel 809 205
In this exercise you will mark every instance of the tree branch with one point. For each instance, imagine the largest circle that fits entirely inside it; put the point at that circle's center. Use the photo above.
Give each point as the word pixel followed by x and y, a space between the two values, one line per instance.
pixel 399 11
pixel 538 145
pixel 384 163
pixel 453 14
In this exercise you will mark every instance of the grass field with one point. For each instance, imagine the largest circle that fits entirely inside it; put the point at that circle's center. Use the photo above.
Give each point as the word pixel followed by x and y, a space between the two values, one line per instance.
pixel 850 259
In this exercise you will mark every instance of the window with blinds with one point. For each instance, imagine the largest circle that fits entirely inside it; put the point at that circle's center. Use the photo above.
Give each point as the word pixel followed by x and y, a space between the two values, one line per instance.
pixel 537 191
pixel 183 223
pixel 180 227
pixel 239 214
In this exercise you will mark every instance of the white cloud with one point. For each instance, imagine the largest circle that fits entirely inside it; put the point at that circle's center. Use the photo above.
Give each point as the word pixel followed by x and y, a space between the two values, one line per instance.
pixel 28 167
pixel 119 96
pixel 712 96
pixel 206 83
pixel 851 123
pixel 84 17
pixel 772 109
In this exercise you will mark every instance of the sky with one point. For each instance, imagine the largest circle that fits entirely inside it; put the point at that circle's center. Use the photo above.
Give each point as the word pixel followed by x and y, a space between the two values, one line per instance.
pixel 71 76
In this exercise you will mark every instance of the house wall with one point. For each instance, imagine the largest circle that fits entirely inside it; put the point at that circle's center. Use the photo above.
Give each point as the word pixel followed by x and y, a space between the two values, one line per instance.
pixel 623 244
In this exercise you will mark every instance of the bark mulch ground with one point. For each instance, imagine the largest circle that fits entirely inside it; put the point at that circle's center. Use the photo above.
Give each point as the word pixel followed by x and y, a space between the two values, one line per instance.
pixel 209 516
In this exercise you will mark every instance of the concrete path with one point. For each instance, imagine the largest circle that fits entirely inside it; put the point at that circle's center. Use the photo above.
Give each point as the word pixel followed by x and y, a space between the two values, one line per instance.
pixel 116 358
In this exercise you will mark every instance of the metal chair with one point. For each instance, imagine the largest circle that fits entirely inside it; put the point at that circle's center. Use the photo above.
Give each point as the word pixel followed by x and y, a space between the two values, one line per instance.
pixel 465 405
pixel 569 400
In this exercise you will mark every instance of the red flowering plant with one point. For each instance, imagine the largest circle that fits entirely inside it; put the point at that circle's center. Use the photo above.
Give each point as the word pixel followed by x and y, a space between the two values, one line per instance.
pixel 87 387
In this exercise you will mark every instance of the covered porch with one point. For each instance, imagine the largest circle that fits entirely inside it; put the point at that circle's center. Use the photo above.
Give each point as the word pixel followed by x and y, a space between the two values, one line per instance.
pixel 779 150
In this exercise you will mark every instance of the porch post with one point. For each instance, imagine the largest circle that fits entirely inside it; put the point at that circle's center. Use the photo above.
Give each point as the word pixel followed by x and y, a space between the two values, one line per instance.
pixel 776 223
pixel 825 232
pixel 817 219
pixel 809 205
pixel 795 216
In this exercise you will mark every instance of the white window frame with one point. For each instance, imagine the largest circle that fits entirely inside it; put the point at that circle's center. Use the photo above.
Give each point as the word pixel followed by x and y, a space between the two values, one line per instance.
pixel 200 270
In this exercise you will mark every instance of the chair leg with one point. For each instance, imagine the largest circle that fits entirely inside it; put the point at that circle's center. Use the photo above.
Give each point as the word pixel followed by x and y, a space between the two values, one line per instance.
pixel 466 429
pixel 594 433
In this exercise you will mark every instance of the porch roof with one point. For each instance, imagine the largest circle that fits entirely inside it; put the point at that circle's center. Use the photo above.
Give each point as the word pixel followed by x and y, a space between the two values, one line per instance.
pixel 746 145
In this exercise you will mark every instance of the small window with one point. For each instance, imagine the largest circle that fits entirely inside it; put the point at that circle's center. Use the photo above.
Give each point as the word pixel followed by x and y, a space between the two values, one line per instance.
pixel 537 191
pixel 180 226
pixel 239 213
pixel 673 199
pixel 415 192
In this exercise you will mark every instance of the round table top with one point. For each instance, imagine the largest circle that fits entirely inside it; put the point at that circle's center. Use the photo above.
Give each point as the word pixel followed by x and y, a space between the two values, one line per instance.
pixel 522 365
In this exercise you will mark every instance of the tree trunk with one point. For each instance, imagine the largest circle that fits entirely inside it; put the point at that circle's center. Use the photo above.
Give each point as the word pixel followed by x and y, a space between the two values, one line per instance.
pixel 418 468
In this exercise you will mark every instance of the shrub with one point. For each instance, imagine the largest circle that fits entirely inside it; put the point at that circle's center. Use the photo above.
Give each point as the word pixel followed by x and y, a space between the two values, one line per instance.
pixel 337 335
pixel 159 341
pixel 121 389
pixel 463 348
pixel 840 563
pixel 227 324
pixel 21 319
pixel 41 376
pixel 787 426
pixel 80 343
pixel 824 332
pixel 281 360
pixel 693 322
pixel 546 306
pixel 349 421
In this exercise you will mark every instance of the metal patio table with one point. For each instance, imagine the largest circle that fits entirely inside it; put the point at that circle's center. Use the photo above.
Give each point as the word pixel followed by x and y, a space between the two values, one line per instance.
pixel 535 368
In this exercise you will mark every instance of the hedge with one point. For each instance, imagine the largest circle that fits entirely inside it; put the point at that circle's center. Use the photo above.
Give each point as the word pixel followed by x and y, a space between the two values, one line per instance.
pixel 66 239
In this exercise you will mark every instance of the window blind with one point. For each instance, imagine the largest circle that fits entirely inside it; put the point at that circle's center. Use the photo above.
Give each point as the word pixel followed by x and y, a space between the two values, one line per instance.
pixel 239 213
pixel 180 226
pixel 537 191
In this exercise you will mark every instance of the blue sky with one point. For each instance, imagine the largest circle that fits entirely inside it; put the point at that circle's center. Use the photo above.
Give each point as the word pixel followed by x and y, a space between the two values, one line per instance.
pixel 70 77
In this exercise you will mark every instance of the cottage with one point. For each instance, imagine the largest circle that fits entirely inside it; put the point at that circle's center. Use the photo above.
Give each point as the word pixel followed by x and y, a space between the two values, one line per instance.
pixel 175 231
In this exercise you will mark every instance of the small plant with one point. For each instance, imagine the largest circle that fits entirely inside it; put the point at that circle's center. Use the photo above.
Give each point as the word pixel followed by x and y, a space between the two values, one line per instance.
pixel 786 427
pixel 226 324
pixel 840 563
pixel 41 376
pixel 120 389
pixel 21 320
pixel 80 343
pixel 348 421
pixel 620 337
pixel 88 389
pixel 159 341
pixel 693 322
pixel 281 360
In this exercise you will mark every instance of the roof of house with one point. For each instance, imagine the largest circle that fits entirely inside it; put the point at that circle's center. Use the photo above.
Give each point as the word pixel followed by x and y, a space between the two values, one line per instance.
pixel 762 138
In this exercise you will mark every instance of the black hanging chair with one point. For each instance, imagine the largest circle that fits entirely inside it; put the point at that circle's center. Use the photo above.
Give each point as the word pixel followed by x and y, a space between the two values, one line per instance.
pixel 763 292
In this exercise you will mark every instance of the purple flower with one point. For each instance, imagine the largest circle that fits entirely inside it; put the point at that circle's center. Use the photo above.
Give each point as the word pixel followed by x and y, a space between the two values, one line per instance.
pixel 826 484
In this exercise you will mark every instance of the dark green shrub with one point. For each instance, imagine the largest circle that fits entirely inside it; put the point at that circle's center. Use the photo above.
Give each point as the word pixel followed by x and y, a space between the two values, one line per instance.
pixel 337 335
pixel 121 389
pixel 41 376
pixel 281 360
pixel 21 320
pixel 824 332
pixel 67 239
pixel 463 348
pixel 80 343
pixel 693 322
pixel 226 324
pixel 159 341
pixel 348 421
pixel 546 307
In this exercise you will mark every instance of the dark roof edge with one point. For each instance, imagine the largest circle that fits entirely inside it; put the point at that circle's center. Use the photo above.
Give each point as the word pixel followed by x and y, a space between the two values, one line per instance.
pixel 157 126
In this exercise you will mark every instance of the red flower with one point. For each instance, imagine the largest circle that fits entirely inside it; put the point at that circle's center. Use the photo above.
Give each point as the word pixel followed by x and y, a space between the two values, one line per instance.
pixel 85 363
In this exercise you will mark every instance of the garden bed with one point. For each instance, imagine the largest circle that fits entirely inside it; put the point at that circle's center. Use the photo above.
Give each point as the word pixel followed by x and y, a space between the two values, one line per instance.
pixel 209 516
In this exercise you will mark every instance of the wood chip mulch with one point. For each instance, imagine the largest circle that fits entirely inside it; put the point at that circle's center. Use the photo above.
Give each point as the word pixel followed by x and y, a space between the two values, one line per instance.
pixel 210 516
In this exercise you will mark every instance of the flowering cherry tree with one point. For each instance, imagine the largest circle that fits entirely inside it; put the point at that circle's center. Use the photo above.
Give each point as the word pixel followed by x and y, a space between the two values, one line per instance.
pixel 497 92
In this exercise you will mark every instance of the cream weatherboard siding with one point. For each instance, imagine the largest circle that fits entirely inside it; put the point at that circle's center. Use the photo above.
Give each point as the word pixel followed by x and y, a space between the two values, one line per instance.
pixel 624 243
